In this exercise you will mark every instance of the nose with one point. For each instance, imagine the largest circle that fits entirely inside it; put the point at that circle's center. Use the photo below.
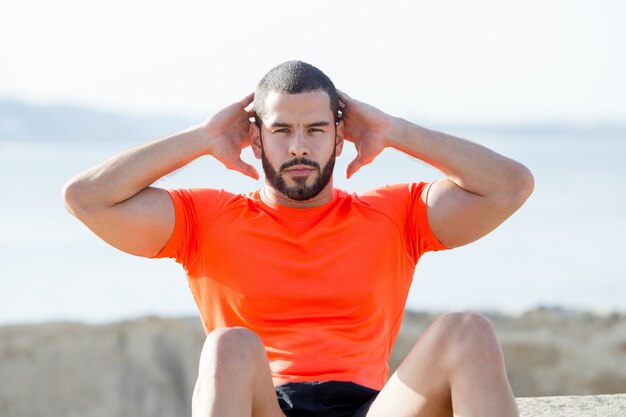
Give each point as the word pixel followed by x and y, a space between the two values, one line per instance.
pixel 299 146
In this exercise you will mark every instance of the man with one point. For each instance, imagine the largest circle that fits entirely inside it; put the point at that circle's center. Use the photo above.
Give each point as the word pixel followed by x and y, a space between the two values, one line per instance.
pixel 300 286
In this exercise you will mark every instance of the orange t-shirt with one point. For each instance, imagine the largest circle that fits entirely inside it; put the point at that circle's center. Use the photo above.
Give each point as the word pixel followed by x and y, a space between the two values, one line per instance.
pixel 324 288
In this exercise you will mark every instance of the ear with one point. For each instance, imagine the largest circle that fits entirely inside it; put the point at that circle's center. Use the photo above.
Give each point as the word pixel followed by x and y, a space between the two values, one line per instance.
pixel 255 139
pixel 339 138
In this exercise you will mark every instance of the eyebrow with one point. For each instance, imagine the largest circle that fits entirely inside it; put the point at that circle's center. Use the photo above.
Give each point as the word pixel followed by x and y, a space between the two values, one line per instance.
pixel 321 123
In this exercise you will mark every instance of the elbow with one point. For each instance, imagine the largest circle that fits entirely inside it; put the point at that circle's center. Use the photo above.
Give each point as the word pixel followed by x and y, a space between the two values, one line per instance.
pixel 522 185
pixel 527 183
pixel 73 196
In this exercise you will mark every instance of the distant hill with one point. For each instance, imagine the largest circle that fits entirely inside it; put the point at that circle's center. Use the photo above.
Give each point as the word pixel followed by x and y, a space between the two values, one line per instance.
pixel 542 130
pixel 60 123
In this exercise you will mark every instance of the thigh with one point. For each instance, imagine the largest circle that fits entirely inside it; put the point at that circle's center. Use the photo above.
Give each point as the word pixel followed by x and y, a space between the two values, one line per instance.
pixel 398 399
pixel 458 353
pixel 234 377
pixel 420 386
pixel 265 400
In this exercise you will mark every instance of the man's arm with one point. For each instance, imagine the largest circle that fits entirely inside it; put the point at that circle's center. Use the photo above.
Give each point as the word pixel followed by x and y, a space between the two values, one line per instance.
pixel 114 199
pixel 481 188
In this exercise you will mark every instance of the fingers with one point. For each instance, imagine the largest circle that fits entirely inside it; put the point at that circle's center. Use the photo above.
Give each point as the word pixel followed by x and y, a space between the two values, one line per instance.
pixel 247 100
pixel 245 169
pixel 343 98
pixel 342 103
pixel 353 167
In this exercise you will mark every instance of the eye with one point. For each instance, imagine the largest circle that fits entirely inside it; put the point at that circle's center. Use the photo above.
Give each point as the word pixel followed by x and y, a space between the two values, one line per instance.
pixel 315 130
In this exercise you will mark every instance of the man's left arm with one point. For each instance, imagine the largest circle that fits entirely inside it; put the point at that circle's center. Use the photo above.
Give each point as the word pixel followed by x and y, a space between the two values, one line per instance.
pixel 481 188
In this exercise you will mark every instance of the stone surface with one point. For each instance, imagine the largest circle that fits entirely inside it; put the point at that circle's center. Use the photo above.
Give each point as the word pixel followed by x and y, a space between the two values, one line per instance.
pixel 140 368
pixel 573 406
pixel 147 367
pixel 549 352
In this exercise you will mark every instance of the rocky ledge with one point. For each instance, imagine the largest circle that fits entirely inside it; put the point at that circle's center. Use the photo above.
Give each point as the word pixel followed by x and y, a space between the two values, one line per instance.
pixel 147 367
pixel 573 406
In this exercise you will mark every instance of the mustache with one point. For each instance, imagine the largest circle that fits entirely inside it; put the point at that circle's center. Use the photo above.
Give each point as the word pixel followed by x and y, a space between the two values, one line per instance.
pixel 299 161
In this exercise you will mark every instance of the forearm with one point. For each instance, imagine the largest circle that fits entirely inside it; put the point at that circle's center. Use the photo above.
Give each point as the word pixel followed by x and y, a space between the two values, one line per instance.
pixel 126 174
pixel 481 190
pixel 469 165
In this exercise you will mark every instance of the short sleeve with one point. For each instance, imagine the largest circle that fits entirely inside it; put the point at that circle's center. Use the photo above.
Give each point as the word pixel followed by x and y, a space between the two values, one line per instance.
pixel 194 209
pixel 420 235
pixel 183 243
pixel 404 205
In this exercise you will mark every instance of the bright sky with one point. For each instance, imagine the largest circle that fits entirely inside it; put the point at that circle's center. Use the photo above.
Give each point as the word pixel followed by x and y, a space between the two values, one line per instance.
pixel 458 61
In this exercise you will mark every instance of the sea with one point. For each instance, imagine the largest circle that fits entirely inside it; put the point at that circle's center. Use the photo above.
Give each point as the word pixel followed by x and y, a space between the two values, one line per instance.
pixel 565 248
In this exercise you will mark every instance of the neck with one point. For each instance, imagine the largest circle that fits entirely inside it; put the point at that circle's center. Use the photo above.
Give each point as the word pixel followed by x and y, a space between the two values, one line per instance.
pixel 271 197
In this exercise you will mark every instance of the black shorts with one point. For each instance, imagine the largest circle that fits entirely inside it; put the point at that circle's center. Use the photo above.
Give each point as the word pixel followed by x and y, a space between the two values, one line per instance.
pixel 325 399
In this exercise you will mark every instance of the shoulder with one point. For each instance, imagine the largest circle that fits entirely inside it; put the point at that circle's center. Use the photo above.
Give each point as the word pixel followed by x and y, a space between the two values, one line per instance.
pixel 207 203
pixel 206 195
pixel 402 194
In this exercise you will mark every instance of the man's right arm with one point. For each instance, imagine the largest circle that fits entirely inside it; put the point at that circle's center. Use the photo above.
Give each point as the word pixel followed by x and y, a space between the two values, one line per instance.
pixel 114 198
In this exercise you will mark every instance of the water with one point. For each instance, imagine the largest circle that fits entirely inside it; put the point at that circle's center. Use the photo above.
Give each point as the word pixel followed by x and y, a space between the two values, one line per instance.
pixel 565 247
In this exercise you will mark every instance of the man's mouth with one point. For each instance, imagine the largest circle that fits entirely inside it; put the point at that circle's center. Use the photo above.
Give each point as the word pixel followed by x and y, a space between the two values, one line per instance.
pixel 300 170
pixel 300 167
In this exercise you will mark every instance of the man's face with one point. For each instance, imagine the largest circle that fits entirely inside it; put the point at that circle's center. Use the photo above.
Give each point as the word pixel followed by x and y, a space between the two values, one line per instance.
pixel 297 143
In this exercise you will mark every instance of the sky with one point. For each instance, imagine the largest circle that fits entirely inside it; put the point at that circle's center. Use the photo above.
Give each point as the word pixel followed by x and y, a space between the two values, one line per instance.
pixel 485 61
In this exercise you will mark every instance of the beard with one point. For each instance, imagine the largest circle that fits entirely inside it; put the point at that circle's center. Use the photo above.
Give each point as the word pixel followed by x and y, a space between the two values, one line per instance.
pixel 300 191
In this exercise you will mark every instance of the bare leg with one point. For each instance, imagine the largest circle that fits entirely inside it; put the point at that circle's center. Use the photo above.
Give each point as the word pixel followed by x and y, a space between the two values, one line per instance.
pixel 234 378
pixel 456 368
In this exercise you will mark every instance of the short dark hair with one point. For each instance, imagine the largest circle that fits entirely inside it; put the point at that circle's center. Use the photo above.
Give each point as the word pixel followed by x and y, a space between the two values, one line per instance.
pixel 294 77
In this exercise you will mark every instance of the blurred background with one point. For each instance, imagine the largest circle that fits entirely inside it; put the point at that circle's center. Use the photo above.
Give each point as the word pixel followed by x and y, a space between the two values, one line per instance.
pixel 541 82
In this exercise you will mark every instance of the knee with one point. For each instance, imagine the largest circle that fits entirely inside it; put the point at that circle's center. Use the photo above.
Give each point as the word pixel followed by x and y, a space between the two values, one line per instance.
pixel 229 349
pixel 466 336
